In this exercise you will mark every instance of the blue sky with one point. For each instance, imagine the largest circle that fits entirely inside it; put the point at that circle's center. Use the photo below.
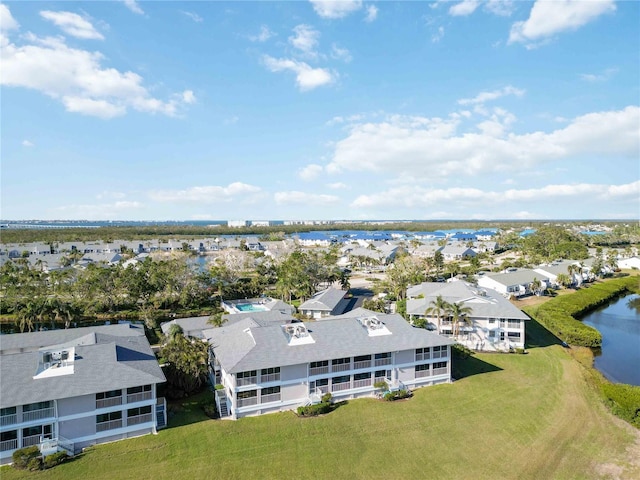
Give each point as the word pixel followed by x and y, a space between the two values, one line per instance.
pixel 320 110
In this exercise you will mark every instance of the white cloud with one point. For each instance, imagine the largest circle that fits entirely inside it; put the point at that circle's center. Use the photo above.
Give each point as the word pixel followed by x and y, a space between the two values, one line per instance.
pixel 415 196
pixel 264 35
pixel 438 35
pixel 503 8
pixel 547 18
pixel 205 194
pixel 102 211
pixel 310 172
pixel 72 24
pixel 464 8
pixel 484 97
pixel 7 22
pixel 304 198
pixel 335 8
pixel 78 79
pixel 305 39
pixel 337 186
pixel 193 16
pixel 340 53
pixel 419 147
pixel 133 6
pixel 372 13
pixel 27 143
pixel 307 78
pixel 599 77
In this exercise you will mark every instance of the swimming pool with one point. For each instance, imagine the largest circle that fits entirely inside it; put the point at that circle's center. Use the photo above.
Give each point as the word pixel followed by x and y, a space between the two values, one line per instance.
pixel 250 307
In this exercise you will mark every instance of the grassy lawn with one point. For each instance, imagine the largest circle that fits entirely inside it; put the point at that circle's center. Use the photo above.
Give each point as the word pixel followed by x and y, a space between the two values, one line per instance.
pixel 511 416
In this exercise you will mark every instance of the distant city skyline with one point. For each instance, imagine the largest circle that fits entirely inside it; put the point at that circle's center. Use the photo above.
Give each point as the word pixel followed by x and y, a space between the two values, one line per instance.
pixel 320 110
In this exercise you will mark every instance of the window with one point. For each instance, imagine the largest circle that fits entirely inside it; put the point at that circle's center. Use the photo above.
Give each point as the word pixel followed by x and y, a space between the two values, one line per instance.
pixel 421 368
pixel 269 390
pixel 37 406
pixel 270 371
pixel 492 320
pixel 7 411
pixel 321 382
pixel 502 336
pixel 381 374
pixel 247 394
pixel 134 412
pixel 383 355
pixel 341 379
pixel 247 398
pixel 514 324
pixel 423 353
pixel 251 373
pixel 108 417
pixel 340 361
pixel 514 336
pixel 111 394
pixel 362 358
pixel 323 363
pixel 362 376
pixel 270 374
pixel 38 430
pixel 270 394
pixel 143 388
pixel 246 378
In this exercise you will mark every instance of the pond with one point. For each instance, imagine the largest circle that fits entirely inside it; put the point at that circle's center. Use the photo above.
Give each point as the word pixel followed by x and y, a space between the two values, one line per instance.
pixel 619 324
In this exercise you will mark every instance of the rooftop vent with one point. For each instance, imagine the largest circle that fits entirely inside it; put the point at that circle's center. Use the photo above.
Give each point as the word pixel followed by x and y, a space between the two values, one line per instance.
pixel 374 326
pixel 297 334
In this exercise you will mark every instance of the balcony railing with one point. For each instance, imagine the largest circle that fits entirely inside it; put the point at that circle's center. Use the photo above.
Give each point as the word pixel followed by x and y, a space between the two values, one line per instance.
pixel 31 440
pixel 139 397
pixel 341 367
pixel 138 419
pixel 8 420
pixel 318 370
pixel 365 382
pixel 101 427
pixel 362 364
pixel 8 445
pixel 240 382
pixel 423 356
pixel 245 402
pixel 37 414
pixel 108 402
pixel 440 371
pixel 382 361
pixel 338 387
pixel 440 354
pixel 272 377
pixel 423 373
pixel 272 397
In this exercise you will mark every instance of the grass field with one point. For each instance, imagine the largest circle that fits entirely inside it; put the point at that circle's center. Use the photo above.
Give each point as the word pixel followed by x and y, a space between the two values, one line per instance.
pixel 511 416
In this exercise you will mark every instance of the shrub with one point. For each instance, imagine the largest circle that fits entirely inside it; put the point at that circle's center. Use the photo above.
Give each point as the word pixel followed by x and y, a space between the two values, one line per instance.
pixel 624 401
pixel 314 410
pixel 22 458
pixel 54 459
pixel 35 464
pixel 397 395
pixel 210 409
pixel 326 398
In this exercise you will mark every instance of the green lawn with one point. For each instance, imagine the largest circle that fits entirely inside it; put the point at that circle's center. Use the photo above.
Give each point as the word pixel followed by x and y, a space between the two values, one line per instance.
pixel 527 417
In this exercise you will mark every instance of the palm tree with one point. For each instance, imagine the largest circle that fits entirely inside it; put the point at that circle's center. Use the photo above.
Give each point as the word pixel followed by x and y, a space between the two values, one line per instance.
pixel 563 279
pixel 438 307
pixel 459 313
pixel 535 286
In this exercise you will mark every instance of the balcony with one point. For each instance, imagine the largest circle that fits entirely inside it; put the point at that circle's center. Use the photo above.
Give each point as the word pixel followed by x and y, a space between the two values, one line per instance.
pixel 241 382
pixel 32 415
pixel 9 445
pixel 318 370
pixel 338 387
pixel 108 402
pixel 31 440
pixel 8 420
pixel 440 371
pixel 365 382
pixel 272 377
pixel 272 397
pixel 246 402
pixel 379 362
pixel 111 425
pixel 138 397
pixel 423 373
pixel 342 367
pixel 138 419
pixel 361 365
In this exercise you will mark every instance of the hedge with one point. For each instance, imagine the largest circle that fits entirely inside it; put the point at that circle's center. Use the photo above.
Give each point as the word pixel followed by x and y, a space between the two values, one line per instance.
pixel 624 401
pixel 559 314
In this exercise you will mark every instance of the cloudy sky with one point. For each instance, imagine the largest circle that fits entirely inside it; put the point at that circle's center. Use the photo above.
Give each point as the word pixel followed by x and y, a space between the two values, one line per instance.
pixel 490 109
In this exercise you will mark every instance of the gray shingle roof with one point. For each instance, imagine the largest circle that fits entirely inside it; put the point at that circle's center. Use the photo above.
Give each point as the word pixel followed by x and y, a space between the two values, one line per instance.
pixel 484 302
pixel 106 358
pixel 247 346
pixel 326 300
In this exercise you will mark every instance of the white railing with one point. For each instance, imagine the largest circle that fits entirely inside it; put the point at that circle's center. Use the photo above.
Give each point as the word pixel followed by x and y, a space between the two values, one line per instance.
pixel 365 382
pixel 108 402
pixel 138 397
pixel 272 397
pixel 8 420
pixel 245 402
pixel 440 371
pixel 8 445
pixel 318 370
pixel 423 373
pixel 337 387
pixel 423 356
pixel 37 414
pixel 31 440
pixel 138 419
pixel 101 427
pixel 362 364
pixel 440 354
pixel 240 382
pixel 382 361
pixel 341 367
pixel 272 377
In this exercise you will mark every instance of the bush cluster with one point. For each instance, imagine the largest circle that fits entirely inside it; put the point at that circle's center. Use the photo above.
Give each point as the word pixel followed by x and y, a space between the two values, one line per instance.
pixel 559 314
pixel 624 401
pixel 29 458
pixel 397 395
pixel 325 406
pixel 55 459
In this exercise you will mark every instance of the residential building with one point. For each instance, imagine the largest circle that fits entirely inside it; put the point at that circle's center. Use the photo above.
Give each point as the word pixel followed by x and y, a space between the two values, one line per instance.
pixel 67 389
pixel 514 282
pixel 270 368
pixel 494 323
pixel 326 303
